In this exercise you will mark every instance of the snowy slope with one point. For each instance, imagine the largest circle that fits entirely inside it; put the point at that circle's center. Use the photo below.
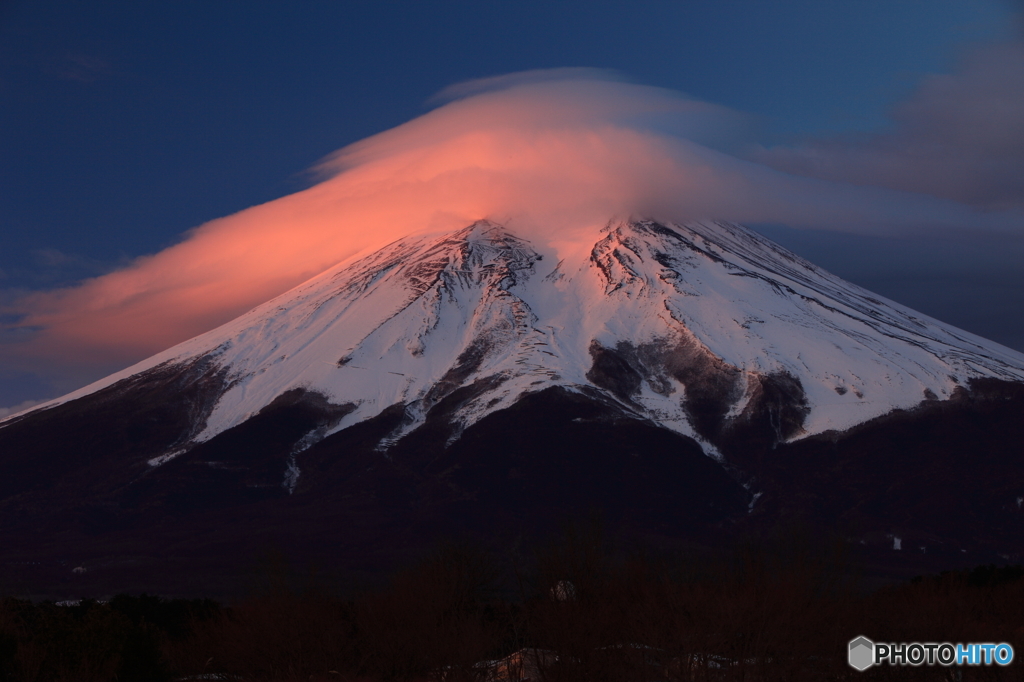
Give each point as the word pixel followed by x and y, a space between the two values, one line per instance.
pixel 664 320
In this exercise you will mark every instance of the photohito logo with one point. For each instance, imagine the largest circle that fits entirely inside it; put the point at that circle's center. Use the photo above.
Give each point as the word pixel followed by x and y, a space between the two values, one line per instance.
pixel 863 653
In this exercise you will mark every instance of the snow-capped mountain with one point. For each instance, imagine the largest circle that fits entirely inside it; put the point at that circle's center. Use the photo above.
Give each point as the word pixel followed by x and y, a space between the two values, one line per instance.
pixel 681 325
pixel 734 362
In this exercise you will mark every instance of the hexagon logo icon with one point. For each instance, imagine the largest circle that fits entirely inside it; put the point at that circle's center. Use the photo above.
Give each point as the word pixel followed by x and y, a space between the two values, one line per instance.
pixel 862 653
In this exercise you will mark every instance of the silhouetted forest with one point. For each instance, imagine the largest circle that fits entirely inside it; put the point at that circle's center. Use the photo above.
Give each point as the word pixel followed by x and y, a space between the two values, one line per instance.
pixel 571 610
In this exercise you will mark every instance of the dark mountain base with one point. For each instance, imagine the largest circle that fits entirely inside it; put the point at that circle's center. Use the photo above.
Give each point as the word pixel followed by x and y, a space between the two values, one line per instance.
pixel 944 477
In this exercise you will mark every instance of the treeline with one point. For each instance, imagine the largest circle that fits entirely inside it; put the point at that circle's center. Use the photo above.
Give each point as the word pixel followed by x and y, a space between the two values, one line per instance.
pixel 572 612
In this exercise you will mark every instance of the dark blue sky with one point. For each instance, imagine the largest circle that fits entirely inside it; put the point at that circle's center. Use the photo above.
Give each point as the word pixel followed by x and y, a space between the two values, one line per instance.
pixel 124 124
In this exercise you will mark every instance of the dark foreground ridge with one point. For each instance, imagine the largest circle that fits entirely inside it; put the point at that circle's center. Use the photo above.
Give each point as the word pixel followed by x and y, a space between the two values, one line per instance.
pixel 574 611
pixel 914 491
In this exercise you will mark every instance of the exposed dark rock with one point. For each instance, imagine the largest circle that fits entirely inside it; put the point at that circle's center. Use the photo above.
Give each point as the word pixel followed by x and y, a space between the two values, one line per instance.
pixel 711 384
pixel 775 411
pixel 613 371
pixel 466 364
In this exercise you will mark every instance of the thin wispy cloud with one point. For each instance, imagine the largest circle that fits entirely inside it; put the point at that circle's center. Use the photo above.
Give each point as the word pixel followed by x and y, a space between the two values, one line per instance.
pixel 20 407
pixel 960 136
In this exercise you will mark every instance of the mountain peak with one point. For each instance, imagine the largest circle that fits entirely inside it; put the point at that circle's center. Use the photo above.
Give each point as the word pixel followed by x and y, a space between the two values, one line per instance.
pixel 477 370
pixel 685 325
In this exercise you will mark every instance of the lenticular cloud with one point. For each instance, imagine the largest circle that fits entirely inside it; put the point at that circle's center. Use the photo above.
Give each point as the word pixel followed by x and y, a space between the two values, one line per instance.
pixel 553 155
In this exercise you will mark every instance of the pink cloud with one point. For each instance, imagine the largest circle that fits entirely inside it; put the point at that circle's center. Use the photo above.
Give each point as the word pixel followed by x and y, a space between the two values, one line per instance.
pixel 551 155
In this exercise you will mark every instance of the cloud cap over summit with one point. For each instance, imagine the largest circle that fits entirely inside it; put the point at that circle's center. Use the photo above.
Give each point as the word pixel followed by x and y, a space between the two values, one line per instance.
pixel 551 154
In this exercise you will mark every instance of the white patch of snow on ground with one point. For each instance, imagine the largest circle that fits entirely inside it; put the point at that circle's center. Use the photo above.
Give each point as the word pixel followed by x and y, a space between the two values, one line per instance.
pixel 165 458
pixel 291 475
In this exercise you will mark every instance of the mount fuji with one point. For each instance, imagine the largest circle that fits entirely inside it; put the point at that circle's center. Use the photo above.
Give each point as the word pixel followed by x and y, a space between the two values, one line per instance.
pixel 689 382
